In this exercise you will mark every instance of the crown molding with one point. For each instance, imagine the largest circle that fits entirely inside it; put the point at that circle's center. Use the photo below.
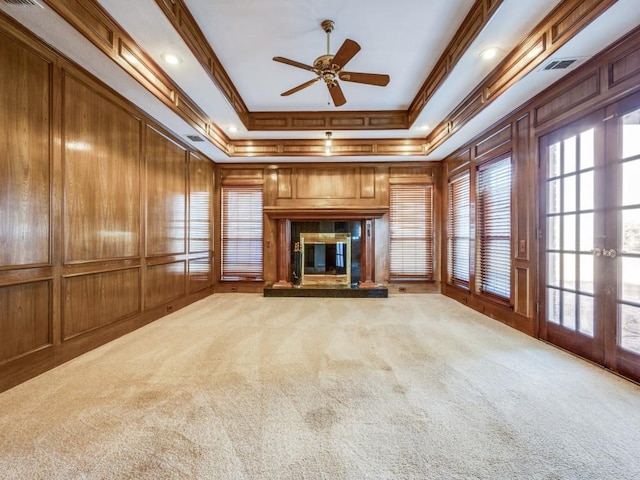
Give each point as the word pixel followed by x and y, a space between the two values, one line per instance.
pixel 560 26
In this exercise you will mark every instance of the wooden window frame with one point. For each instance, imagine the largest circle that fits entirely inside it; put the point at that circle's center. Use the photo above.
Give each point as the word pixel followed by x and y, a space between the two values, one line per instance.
pixel 405 272
pixel 453 225
pixel 244 239
pixel 501 292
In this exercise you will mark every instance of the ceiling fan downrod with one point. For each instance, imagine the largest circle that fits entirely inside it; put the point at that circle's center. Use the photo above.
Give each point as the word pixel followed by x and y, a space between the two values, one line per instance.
pixel 327 26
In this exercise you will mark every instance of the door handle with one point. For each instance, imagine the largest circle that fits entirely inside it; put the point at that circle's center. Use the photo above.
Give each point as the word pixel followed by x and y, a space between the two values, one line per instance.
pixel 597 252
pixel 611 253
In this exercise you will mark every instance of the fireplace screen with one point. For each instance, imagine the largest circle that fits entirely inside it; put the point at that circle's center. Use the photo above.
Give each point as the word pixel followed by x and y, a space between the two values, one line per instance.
pixel 326 259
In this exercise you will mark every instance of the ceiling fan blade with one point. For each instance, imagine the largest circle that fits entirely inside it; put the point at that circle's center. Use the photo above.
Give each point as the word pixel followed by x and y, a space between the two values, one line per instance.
pixel 300 87
pixel 293 63
pixel 345 53
pixel 336 94
pixel 367 78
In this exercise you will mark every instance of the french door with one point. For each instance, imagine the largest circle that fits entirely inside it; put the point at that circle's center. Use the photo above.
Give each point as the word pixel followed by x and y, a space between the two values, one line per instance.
pixel 590 237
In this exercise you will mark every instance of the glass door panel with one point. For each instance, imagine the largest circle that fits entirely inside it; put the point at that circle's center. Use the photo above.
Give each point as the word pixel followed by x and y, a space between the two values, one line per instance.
pixel 628 213
pixel 570 232
pixel 590 242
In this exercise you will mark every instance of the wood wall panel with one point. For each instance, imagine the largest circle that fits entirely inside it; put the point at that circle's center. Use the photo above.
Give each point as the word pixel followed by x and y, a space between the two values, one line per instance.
pixel 285 189
pixel 95 300
pixel 575 95
pixel 25 116
pixel 101 158
pixel 166 195
pixel 72 272
pixel 200 274
pixel 326 183
pixel 625 67
pixel 242 176
pixel 522 291
pixel 25 319
pixel 367 182
pixel 200 204
pixel 165 282
pixel 524 171
pixel 418 174
pixel 494 143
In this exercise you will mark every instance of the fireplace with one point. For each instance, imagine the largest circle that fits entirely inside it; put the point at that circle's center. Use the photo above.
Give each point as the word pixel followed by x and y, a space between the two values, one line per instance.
pixel 325 259
pixel 344 220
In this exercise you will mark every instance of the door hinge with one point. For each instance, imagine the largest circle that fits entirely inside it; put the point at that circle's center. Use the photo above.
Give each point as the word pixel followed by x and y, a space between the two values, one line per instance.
pixel 538 307
pixel 538 234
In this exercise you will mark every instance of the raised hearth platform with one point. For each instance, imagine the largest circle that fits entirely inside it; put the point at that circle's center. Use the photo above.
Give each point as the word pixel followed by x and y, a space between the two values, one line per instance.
pixel 327 292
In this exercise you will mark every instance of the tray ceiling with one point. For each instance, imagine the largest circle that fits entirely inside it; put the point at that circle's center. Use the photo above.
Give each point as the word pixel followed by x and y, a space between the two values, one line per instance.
pixel 405 39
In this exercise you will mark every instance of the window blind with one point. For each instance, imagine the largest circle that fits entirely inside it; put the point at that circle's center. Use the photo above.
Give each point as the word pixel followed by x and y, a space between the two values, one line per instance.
pixel 241 233
pixel 411 231
pixel 458 229
pixel 494 228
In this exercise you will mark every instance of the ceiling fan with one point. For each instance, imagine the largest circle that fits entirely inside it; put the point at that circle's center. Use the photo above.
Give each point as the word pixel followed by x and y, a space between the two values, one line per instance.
pixel 330 68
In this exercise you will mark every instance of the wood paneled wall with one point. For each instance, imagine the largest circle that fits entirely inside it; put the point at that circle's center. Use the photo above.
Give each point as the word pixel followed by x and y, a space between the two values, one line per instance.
pixel 610 76
pixel 331 186
pixel 106 218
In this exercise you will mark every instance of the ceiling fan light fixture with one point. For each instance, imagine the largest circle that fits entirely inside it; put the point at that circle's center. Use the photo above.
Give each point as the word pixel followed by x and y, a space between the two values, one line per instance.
pixel 329 69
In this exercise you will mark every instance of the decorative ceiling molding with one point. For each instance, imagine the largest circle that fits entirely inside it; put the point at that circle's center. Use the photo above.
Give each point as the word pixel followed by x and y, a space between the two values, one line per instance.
pixel 181 18
pixel 331 120
pixel 560 26
pixel 184 23
pixel 97 26
pixel 317 148
pixel 475 21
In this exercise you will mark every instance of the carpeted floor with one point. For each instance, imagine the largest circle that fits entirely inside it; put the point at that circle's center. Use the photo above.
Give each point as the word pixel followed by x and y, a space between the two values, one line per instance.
pixel 238 386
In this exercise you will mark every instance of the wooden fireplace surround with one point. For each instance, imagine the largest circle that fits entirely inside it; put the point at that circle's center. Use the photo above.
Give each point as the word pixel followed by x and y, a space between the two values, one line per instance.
pixel 366 216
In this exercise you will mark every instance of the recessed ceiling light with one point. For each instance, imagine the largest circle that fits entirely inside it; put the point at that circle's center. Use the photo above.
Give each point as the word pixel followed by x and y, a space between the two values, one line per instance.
pixel 233 128
pixel 171 58
pixel 489 53
pixel 423 127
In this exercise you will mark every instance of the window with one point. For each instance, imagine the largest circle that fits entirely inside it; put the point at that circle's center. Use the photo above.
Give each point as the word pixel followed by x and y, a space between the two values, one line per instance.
pixel 241 233
pixel 411 232
pixel 458 230
pixel 493 196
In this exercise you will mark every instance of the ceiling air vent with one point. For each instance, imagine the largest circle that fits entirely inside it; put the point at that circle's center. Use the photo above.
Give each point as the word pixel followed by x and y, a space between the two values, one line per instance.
pixel 195 138
pixel 563 63
pixel 22 3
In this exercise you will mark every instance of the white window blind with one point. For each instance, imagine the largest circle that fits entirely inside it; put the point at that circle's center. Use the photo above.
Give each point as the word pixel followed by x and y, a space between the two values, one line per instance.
pixel 458 229
pixel 494 229
pixel 241 233
pixel 411 231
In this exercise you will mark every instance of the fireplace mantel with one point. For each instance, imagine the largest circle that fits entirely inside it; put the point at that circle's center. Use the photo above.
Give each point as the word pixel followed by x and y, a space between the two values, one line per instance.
pixel 284 216
pixel 325 213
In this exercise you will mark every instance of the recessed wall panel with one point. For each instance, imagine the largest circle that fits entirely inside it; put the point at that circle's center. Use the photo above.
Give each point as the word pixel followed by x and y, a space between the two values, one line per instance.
pixel 94 300
pixel 325 183
pixel 101 156
pixel 166 195
pixel 24 156
pixel 25 319
pixel 164 283
pixel 200 204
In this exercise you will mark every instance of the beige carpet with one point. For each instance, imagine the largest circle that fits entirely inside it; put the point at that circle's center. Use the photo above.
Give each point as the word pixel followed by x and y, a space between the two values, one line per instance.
pixel 238 386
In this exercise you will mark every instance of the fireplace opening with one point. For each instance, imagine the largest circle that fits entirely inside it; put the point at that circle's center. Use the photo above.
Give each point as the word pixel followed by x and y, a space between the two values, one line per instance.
pixel 328 253
pixel 325 259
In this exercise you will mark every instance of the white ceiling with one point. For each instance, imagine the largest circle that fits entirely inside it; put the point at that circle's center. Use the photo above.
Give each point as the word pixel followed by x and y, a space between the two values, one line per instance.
pixel 403 38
